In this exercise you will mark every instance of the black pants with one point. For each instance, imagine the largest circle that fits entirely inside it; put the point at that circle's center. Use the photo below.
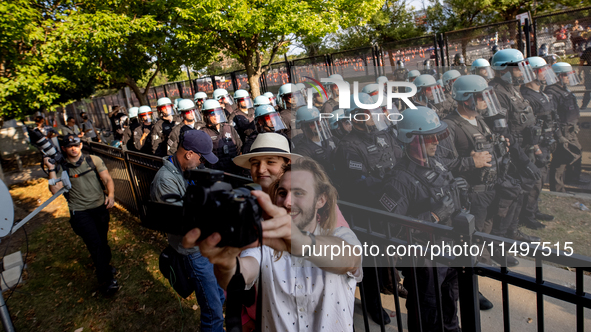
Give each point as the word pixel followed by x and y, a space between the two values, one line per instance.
pixel 427 303
pixel 92 226
pixel 530 204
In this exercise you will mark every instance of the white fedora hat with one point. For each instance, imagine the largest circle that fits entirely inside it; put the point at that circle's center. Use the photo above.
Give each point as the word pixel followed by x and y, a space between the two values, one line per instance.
pixel 266 144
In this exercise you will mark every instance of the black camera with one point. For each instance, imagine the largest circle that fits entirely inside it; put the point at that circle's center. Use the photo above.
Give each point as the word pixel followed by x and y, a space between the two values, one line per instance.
pixel 214 202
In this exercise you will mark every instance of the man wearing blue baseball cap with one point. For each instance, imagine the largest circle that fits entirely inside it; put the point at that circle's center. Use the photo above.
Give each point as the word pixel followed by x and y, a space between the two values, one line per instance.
pixel 193 145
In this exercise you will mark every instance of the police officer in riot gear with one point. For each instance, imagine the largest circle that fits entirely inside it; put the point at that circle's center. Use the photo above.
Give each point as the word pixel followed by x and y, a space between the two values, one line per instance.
pixel 413 74
pixel 568 150
pixel 447 79
pixel 414 188
pixel 484 160
pixel 266 120
pixel 191 121
pixel 333 94
pixel 482 67
pixel 226 141
pixel 244 114
pixel 362 159
pixel 289 98
pixel 223 97
pixel 459 64
pixel 200 98
pixel 272 99
pixel 390 117
pixel 317 141
pixel 128 141
pixel 547 131
pixel 400 73
pixel 512 70
pixel 142 139
pixel 340 126
pixel 163 127
pixel 494 49
pixel 429 93
pixel 428 69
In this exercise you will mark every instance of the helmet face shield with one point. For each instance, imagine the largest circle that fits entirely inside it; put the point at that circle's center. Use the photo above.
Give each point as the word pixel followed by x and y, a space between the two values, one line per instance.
pixel 226 99
pixel 569 78
pixel 273 101
pixel 146 117
pixel 269 123
pixel 165 110
pixel 423 147
pixel 296 99
pixel 317 130
pixel 191 115
pixel 374 120
pixel 245 102
pixel 546 75
pixel 433 94
pixel 485 102
pixel 485 72
pixel 215 116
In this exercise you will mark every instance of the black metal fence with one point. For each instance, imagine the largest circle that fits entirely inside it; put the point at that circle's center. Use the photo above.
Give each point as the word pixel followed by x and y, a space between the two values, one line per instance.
pixel 561 32
pixel 133 173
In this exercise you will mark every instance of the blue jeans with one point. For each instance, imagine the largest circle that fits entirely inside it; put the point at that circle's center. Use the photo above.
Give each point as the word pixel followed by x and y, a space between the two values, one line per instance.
pixel 210 295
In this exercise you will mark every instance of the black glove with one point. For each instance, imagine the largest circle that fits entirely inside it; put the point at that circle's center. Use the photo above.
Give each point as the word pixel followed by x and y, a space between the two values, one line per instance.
pixel 462 184
pixel 442 209
pixel 531 171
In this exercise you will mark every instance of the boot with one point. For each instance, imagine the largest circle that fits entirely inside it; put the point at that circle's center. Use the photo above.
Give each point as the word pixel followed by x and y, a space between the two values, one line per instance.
pixel 519 236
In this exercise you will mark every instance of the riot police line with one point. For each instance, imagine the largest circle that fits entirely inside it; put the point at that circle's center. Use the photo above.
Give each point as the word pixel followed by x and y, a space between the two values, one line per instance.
pixel 476 144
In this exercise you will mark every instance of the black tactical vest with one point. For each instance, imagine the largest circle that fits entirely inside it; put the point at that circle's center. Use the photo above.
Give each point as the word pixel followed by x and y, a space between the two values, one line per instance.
pixel 322 154
pixel 378 151
pixel 224 146
pixel 544 109
pixel 520 114
pixel 567 107
pixel 481 139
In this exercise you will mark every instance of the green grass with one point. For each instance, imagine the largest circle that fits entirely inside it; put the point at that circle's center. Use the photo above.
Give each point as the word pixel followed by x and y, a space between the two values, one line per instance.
pixel 570 223
pixel 60 289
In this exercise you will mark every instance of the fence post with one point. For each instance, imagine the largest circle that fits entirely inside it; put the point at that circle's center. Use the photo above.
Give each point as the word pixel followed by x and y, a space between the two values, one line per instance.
pixel 435 51
pixel 213 82
pixel 519 38
pixel 441 47
pixel 288 68
pixel 446 48
pixel 234 81
pixel 328 60
pixel 526 30
pixel 535 29
pixel 463 225
pixel 374 58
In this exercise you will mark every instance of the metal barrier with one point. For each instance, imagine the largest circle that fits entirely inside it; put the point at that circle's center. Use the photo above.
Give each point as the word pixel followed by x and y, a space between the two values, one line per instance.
pixel 133 173
pixel 413 52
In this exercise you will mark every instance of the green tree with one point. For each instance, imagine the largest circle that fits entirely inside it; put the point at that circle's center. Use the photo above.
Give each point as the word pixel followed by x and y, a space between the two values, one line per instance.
pixel 253 31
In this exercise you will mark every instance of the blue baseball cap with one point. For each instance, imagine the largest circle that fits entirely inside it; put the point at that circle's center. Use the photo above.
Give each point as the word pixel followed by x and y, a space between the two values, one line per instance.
pixel 198 141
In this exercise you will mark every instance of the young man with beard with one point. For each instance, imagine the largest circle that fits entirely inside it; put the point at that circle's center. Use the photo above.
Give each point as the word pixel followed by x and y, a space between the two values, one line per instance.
pixel 299 284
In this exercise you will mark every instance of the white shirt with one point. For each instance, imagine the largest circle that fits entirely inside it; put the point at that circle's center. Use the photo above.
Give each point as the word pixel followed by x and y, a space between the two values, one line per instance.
pixel 299 296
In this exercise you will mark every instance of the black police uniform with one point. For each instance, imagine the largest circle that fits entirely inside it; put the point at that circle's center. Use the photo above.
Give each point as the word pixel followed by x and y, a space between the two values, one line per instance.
pixel 146 147
pixel 160 133
pixel 431 194
pixel 286 116
pixel 116 124
pixel 128 142
pixel 546 119
pixel 566 153
pixel 322 154
pixel 522 132
pixel 243 122
pixel 226 146
pixel 330 106
pixel 175 134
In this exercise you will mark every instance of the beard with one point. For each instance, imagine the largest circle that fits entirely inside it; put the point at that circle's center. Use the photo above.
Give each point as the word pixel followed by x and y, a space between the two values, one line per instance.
pixel 306 217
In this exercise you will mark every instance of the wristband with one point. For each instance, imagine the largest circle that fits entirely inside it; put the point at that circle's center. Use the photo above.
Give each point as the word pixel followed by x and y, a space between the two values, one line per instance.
pixel 51 170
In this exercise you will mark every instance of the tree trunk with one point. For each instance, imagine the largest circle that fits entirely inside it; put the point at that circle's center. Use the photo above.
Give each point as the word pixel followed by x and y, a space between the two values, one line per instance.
pixel 136 89
pixel 253 76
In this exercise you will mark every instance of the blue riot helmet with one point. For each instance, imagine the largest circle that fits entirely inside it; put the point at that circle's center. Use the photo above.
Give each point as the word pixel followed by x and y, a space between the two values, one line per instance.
pixel 289 96
pixel 223 95
pixel 428 90
pixel 510 65
pixel 339 124
pixel 271 97
pixel 165 107
pixel 189 110
pixel 145 114
pixel 133 112
pixel 482 67
pixel 413 74
pixel 448 78
pixel 267 120
pixel 213 113
pixel 261 100
pixel 565 73
pixel 421 131
pixel 242 98
pixel 544 73
pixel 473 93
pixel 312 124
